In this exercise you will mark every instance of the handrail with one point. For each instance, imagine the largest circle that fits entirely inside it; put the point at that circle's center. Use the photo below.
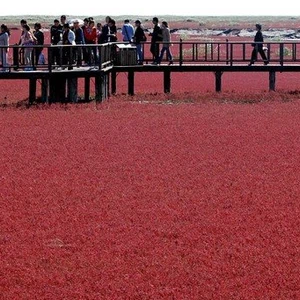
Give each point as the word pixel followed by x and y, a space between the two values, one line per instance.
pixel 56 56
pixel 184 52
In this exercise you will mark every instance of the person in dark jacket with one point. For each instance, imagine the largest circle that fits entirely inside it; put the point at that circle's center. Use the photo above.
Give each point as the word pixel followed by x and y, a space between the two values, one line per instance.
pixel 156 37
pixel 104 37
pixel 39 35
pixel 138 38
pixel 79 40
pixel 56 31
pixel 258 47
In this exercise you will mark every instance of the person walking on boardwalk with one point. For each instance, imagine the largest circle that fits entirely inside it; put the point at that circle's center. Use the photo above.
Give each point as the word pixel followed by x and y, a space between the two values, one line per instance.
pixel 138 38
pixel 4 41
pixel 258 47
pixel 156 37
pixel 166 43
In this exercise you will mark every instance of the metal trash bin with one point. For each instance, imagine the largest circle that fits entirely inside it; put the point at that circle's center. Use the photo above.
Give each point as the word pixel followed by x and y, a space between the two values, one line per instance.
pixel 126 55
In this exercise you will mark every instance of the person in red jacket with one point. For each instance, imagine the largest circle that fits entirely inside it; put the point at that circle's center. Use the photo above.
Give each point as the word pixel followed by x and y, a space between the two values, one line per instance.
pixel 90 36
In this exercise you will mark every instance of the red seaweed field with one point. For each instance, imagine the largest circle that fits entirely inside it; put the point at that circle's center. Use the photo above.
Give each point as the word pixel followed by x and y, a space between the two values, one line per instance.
pixel 188 195
pixel 151 198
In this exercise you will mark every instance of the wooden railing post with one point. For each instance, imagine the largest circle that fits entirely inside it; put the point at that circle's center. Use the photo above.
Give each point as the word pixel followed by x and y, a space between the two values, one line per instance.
pixel 231 54
pixel 16 57
pixel 294 49
pixel 227 52
pixel 180 52
pixel 281 53
pixel 50 58
pixel 101 55
pixel 269 51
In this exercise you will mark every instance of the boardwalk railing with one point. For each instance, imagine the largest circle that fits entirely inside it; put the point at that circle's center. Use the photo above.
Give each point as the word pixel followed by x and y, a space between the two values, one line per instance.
pixel 28 58
pixel 184 52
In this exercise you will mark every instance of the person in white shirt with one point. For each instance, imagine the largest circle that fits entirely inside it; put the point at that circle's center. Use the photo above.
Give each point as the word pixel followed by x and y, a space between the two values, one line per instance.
pixel 68 39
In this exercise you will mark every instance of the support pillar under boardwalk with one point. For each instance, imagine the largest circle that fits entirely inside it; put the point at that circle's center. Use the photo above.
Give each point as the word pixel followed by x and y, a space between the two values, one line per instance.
pixel 87 84
pixel 113 82
pixel 32 90
pixel 131 83
pixel 167 81
pixel 72 89
pixel 218 76
pixel 102 87
pixel 272 80
pixel 58 89
pixel 45 88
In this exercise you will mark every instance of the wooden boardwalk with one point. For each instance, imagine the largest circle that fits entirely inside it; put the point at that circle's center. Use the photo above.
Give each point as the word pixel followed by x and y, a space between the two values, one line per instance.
pixel 217 69
pixel 60 82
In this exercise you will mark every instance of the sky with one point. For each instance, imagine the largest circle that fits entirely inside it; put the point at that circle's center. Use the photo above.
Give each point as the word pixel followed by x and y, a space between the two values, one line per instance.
pixel 152 8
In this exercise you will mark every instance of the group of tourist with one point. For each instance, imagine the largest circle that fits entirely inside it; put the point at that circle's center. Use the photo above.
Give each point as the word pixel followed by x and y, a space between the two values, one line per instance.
pixel 27 39
pixel 91 33
pixel 62 32
pixel 72 32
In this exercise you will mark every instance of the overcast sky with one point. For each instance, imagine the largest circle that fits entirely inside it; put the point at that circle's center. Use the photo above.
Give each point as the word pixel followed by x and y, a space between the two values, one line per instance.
pixel 151 8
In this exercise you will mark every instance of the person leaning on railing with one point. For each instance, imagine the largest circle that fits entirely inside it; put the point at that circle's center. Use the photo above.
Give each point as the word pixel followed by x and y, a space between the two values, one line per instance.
pixel 4 42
